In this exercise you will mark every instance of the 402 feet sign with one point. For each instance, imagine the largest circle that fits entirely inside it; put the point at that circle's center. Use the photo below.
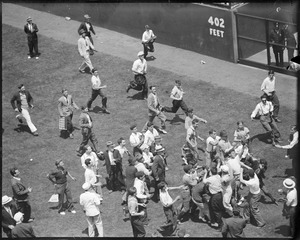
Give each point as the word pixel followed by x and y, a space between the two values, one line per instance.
pixel 216 23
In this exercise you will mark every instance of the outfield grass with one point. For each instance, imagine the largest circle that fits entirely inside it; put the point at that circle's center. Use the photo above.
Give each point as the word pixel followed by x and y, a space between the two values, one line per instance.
pixel 58 68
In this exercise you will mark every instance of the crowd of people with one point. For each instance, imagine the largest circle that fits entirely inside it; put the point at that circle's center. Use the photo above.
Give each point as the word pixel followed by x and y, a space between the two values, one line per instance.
pixel 212 185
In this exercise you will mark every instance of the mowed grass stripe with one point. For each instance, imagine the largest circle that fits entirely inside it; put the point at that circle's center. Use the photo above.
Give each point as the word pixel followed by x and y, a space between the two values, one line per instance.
pixel 57 68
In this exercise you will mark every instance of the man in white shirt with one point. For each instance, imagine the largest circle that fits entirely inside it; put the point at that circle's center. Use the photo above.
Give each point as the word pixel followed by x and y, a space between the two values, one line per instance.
pixel 97 90
pixel 150 135
pixel 136 139
pixel 211 146
pixel 90 202
pixel 190 117
pixel 91 177
pixel 291 203
pixel 268 87
pixel 139 69
pixel 148 39
pixel 191 138
pixel 253 196
pixel 292 148
pixel 177 96
pixel 91 155
pixel 264 111
pixel 84 45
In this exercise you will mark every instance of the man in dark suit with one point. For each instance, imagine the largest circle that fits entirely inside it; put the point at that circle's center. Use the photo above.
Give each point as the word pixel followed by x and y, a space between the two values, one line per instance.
pixel 8 211
pixel 115 179
pixel 22 230
pixel 31 29
pixel 159 172
pixel 87 27
pixel 86 124
pixel 21 195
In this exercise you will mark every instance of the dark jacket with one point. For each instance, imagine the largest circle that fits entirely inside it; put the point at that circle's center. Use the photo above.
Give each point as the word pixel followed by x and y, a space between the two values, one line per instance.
pixel 158 168
pixel 233 227
pixel 20 192
pixel 7 219
pixel 116 155
pixel 31 35
pixel 83 26
pixel 130 172
pixel 17 98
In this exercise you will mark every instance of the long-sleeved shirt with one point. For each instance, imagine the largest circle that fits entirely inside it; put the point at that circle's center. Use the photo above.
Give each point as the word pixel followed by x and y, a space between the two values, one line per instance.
pixel 253 184
pixel 84 44
pixel 140 167
pixel 96 82
pixel 90 202
pixel 262 109
pixel 92 156
pixel 215 184
pixel 90 176
pixel 176 93
pixel 191 136
pixel 165 198
pixel 135 139
pixel 150 137
pixel 59 176
pixel 268 85
pixel 140 188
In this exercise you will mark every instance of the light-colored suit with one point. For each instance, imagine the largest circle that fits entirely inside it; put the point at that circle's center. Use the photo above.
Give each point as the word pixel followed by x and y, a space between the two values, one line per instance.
pixel 66 105
pixel 84 44
pixel 154 109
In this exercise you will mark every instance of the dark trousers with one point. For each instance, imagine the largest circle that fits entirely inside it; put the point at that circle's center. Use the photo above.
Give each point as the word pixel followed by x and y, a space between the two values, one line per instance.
pixel 95 94
pixel 253 200
pixel 176 105
pixel 216 208
pixel 116 179
pixel 137 226
pixel 278 53
pixel 33 45
pixel 148 47
pixel 25 208
pixel 292 213
pixel 171 223
pixel 87 135
pixel 140 84
pixel 275 101
pixel 69 123
pixel 62 190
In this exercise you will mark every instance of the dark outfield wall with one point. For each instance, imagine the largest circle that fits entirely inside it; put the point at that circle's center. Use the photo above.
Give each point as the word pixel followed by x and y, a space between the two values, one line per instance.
pixel 194 27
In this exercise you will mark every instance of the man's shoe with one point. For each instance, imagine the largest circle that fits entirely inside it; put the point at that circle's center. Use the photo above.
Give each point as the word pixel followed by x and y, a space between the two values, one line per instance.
pixel 214 225
pixel 163 131
pixel 261 226
pixel 35 133
pixel 20 120
pixel 166 168
pixel 81 71
pixel 36 57
pixel 202 219
pixel 28 57
pixel 62 213
pixel 277 120
pixel 30 220
pixel 279 140
pixel 128 88
pixel 90 109
pixel 71 136
pixel 73 211
pixel 106 111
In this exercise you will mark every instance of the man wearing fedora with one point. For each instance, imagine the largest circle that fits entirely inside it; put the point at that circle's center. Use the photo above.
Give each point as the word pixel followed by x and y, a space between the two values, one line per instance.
pixel 21 102
pixel 90 201
pixel 31 29
pixel 87 27
pixel 21 194
pixel 22 230
pixel 9 209
pixel 159 172
pixel 84 45
pixel 59 179
pixel 115 179
pixel 291 203
pixel 139 69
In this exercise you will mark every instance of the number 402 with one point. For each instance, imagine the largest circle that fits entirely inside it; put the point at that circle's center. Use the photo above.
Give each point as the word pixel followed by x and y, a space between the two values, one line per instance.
pixel 219 22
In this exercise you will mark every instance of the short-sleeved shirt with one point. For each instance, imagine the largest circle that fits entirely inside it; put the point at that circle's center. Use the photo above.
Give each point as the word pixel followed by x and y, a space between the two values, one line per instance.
pixel 234 164
pixel 59 176
pixel 210 147
pixel 240 134
pixel 165 198
pixel 253 184
pixel 177 93
pixel 132 205
pixel 90 202
pixel 215 185
pixel 189 180
pixel 292 198
pixel 191 136
pixel 139 65
pixel 135 139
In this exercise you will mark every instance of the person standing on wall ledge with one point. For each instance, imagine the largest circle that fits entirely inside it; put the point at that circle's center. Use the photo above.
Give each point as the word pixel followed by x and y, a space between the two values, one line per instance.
pixel 148 39
pixel 31 29
pixel 277 39
pixel 84 45
pixel 87 27
pixel 268 87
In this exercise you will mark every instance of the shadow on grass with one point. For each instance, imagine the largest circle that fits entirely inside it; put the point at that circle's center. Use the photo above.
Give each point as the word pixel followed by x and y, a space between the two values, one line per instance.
pixel 96 109
pixel 22 128
pixel 137 96
pixel 262 137
pixel 176 120
pixel 288 173
pixel 283 230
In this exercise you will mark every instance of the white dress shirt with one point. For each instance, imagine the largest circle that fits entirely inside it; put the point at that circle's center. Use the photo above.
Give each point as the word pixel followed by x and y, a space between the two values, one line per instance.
pixel 140 66
pixel 135 139
pixel 262 109
pixel 267 85
pixel 140 188
pixel 90 202
pixel 150 137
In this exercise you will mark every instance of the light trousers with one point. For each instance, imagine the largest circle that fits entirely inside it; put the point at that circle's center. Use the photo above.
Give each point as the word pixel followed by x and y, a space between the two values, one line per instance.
pixel 95 221
pixel 203 209
pixel 25 114
pixel 86 62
